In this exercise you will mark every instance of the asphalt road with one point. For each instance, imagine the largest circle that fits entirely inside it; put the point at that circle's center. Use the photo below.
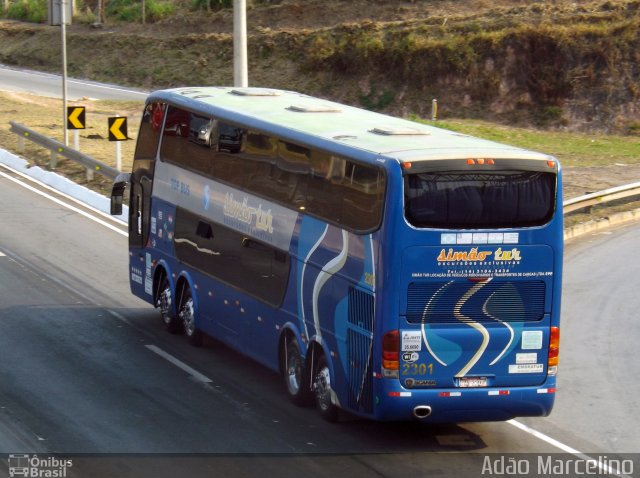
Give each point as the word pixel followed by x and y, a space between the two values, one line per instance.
pixel 47 84
pixel 86 368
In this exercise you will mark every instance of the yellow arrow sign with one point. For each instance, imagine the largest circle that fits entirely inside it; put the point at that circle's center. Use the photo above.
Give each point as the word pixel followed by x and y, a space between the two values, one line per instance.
pixel 118 128
pixel 75 117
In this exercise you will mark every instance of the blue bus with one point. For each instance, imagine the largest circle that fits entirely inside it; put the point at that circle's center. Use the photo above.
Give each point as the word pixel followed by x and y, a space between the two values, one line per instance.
pixel 386 268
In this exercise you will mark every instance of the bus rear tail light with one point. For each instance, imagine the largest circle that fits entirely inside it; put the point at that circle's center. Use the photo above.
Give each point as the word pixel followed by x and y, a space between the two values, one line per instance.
pixel 391 354
pixel 554 351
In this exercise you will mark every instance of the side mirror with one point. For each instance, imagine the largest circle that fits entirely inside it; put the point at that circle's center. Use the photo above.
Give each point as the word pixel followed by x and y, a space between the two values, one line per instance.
pixel 117 193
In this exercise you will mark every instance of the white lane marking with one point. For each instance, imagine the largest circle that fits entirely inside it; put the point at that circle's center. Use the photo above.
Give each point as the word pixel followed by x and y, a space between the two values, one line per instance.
pixel 71 80
pixel 565 448
pixel 64 204
pixel 106 87
pixel 2 254
pixel 66 196
pixel 181 365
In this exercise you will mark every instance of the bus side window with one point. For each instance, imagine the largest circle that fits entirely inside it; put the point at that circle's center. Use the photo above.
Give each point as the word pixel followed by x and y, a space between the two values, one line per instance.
pixel 149 134
pixel 227 164
pixel 324 195
pixel 363 187
pixel 186 140
pixel 260 157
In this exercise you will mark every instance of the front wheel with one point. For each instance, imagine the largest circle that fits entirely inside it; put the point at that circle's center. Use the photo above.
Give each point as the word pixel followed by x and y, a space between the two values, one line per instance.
pixel 323 391
pixel 188 316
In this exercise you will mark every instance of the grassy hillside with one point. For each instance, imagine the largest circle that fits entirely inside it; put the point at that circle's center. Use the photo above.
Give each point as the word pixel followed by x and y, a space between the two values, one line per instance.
pixel 558 64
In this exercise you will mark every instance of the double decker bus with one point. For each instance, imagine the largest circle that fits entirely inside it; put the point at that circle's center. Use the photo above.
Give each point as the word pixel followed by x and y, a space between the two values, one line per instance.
pixel 386 268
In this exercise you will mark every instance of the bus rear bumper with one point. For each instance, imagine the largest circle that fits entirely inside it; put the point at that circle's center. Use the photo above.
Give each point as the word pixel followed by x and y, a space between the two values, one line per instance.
pixel 464 405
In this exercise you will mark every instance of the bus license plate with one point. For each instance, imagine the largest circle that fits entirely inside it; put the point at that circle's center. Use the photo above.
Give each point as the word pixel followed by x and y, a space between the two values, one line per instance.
pixel 472 382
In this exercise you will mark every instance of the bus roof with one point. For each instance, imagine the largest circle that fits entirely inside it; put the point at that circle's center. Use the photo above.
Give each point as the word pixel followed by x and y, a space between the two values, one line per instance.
pixel 311 119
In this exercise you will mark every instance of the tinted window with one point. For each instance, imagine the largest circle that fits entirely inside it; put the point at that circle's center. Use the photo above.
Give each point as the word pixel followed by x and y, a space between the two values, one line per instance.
pixel 250 265
pixel 149 134
pixel 477 201
pixel 186 140
pixel 327 186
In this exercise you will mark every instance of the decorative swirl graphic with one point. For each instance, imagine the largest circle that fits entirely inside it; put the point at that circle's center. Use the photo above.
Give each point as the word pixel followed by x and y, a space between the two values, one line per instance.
pixel 435 296
pixel 304 267
pixel 325 274
pixel 471 323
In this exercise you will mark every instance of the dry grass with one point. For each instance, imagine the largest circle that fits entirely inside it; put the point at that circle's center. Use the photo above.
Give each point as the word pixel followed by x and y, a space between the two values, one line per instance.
pixel 45 116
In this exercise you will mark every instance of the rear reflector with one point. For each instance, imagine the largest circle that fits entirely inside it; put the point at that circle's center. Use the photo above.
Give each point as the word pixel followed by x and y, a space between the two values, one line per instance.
pixel 498 392
pixel 450 394
pixel 546 390
pixel 399 394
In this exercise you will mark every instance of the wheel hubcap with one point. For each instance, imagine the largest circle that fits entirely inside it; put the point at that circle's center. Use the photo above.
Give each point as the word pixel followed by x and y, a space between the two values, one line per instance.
pixel 187 316
pixel 294 372
pixel 164 302
pixel 322 386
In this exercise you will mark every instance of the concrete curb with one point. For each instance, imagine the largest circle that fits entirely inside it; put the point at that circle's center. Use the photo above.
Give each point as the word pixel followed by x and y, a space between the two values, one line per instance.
pixel 604 223
pixel 61 184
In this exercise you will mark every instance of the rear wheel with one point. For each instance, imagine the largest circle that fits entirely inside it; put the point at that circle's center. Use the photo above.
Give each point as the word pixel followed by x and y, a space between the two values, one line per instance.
pixel 187 315
pixel 323 390
pixel 293 372
pixel 164 302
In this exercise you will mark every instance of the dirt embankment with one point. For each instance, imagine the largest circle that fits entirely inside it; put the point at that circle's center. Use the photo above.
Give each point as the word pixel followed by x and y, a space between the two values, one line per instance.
pixel 561 64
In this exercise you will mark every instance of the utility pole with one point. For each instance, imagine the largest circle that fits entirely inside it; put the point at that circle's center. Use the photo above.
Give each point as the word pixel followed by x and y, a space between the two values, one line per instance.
pixel 240 74
pixel 63 28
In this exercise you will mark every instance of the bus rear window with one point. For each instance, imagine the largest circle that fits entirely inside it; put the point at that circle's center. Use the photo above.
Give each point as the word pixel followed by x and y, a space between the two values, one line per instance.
pixel 457 199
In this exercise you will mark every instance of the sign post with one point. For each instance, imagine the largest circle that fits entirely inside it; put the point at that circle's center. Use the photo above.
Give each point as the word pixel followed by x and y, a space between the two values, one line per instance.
pixel 117 133
pixel 76 122
pixel 60 13
pixel 63 25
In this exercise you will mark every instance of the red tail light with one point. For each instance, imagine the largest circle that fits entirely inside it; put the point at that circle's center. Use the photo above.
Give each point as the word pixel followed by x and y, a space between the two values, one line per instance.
pixel 391 353
pixel 554 350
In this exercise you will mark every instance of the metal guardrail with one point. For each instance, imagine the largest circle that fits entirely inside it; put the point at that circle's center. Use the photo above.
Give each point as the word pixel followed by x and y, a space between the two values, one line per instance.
pixel 92 165
pixel 600 197
pixel 57 148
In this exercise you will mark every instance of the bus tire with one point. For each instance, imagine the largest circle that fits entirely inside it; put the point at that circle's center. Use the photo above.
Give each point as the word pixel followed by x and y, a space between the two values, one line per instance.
pixel 294 374
pixel 164 302
pixel 187 315
pixel 322 390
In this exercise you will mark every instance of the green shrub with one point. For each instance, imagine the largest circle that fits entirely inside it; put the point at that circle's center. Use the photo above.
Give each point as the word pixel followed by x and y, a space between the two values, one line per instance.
pixel 548 116
pixel 211 4
pixel 159 10
pixel 633 128
pixel 131 10
pixel 28 11
pixel 377 101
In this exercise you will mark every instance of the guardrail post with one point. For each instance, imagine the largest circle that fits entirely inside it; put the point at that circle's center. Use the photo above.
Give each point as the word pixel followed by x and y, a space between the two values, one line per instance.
pixel 54 159
pixel 20 143
pixel 89 174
